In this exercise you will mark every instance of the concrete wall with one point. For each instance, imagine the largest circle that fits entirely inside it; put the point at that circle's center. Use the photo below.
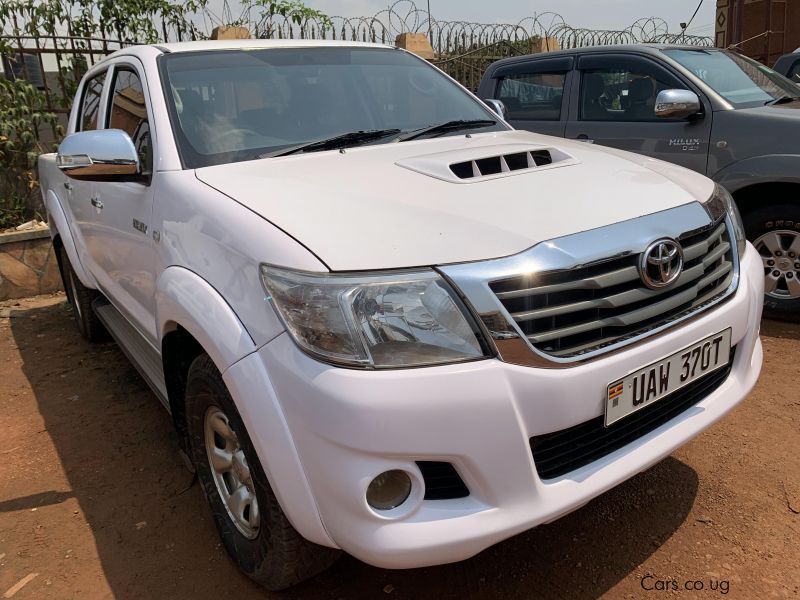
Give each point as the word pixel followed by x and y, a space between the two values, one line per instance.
pixel 27 264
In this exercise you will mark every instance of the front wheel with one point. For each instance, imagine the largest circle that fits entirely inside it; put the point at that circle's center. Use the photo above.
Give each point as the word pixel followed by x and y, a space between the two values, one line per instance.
pixel 775 233
pixel 251 523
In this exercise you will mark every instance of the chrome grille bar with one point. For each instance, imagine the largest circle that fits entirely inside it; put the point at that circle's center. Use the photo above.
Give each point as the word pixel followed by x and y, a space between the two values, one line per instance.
pixel 575 297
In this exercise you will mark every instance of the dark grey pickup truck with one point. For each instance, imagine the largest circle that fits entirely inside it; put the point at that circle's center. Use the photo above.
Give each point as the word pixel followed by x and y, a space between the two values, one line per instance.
pixel 713 111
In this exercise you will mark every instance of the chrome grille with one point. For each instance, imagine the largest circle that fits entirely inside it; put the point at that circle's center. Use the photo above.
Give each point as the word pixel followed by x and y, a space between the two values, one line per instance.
pixel 571 312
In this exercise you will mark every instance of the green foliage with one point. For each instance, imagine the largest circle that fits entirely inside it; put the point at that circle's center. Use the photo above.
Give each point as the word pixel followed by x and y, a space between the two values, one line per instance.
pixel 298 12
pixel 23 118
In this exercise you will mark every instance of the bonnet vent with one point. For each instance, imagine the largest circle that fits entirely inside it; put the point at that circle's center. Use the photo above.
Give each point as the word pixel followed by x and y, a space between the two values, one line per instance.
pixel 472 165
pixel 504 163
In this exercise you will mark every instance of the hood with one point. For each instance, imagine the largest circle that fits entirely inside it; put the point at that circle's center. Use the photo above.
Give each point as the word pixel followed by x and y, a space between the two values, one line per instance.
pixel 402 205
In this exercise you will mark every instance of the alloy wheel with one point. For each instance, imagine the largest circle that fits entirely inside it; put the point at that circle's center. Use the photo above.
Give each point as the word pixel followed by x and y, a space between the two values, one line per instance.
pixel 780 253
pixel 231 473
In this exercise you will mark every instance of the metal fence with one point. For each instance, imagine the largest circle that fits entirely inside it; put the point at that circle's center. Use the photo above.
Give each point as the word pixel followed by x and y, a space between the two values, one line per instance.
pixel 55 63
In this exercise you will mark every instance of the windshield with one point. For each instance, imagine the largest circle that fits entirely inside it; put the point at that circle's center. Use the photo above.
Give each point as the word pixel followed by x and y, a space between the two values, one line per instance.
pixel 234 105
pixel 741 81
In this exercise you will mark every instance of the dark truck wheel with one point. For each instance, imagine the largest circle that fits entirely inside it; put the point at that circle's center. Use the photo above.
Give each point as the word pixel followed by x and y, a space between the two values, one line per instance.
pixel 775 232
pixel 253 528
pixel 81 298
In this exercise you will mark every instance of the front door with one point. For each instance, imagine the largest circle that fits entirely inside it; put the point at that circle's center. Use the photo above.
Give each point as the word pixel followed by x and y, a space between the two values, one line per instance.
pixel 616 107
pixel 127 258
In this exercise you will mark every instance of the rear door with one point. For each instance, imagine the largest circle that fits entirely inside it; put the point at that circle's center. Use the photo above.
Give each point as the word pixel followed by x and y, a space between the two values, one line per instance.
pixel 616 96
pixel 534 93
pixel 80 194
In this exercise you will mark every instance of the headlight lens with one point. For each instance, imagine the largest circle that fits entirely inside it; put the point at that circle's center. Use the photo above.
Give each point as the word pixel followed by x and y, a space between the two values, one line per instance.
pixel 379 321
pixel 720 201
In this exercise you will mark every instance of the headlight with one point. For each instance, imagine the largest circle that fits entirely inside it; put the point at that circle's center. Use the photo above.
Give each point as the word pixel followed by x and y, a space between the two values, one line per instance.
pixel 378 321
pixel 722 202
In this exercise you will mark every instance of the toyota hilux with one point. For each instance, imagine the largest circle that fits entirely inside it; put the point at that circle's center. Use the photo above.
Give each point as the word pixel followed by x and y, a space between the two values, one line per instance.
pixel 384 322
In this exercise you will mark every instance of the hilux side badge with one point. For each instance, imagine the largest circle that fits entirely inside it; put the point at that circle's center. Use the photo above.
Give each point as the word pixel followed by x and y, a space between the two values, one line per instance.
pixel 139 226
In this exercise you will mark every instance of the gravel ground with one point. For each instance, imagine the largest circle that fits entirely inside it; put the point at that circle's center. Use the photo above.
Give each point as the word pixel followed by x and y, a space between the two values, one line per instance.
pixel 95 503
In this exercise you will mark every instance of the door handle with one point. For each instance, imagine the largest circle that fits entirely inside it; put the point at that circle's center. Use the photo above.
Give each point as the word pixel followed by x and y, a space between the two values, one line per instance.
pixel 97 203
pixel 68 186
pixel 584 138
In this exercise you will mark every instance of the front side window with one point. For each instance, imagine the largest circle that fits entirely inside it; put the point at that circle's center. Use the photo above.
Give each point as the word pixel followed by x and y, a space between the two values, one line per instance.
pixel 90 105
pixel 533 96
pixel 621 94
pixel 743 82
pixel 235 105
pixel 129 113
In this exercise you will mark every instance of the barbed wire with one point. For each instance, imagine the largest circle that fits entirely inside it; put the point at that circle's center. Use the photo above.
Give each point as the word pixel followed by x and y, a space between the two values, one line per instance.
pixel 447 37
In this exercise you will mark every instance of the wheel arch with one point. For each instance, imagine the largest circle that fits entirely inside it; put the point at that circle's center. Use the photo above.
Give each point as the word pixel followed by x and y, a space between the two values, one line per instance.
pixel 61 234
pixel 194 318
pixel 751 197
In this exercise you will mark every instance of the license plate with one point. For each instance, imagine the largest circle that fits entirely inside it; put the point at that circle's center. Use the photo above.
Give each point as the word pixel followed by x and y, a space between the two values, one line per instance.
pixel 658 380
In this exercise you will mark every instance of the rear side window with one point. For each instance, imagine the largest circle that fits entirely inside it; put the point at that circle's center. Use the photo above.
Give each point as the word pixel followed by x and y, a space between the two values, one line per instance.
pixel 90 105
pixel 533 96
pixel 129 113
pixel 622 94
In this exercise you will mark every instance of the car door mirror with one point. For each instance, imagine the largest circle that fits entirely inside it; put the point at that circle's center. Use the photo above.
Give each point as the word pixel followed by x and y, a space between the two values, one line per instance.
pixel 104 154
pixel 497 106
pixel 677 104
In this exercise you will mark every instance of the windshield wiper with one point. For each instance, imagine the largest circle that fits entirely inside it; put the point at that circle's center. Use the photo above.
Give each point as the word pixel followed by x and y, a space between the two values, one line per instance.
pixel 782 100
pixel 352 138
pixel 458 125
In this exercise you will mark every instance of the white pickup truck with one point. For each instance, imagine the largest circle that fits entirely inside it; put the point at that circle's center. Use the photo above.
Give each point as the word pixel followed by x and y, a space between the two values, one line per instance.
pixel 383 321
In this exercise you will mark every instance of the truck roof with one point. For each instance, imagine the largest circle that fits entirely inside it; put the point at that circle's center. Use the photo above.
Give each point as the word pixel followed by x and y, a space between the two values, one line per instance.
pixel 252 44
pixel 619 48
pixel 144 50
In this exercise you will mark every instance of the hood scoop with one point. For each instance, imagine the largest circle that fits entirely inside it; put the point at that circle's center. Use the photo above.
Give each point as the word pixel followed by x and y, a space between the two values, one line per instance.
pixel 487 162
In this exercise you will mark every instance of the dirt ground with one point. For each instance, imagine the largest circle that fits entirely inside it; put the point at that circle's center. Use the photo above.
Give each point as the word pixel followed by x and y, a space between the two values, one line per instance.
pixel 95 503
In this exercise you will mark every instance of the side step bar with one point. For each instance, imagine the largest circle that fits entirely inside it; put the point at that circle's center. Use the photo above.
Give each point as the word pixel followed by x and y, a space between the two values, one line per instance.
pixel 135 347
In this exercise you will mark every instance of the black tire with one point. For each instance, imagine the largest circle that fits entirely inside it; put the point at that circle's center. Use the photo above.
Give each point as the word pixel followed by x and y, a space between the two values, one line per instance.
pixel 277 557
pixel 81 299
pixel 784 218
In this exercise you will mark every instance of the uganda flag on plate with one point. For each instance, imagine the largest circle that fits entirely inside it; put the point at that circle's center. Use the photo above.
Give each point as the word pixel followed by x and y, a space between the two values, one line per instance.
pixel 615 391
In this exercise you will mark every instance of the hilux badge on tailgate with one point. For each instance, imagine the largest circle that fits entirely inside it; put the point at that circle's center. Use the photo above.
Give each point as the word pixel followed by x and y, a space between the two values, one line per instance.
pixel 661 264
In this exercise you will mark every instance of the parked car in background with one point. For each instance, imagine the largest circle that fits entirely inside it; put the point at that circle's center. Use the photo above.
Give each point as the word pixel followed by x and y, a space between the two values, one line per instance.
pixel 382 320
pixel 789 66
pixel 713 111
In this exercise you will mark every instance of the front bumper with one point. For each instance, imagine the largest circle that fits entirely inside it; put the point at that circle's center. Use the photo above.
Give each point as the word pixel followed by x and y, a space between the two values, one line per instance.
pixel 348 426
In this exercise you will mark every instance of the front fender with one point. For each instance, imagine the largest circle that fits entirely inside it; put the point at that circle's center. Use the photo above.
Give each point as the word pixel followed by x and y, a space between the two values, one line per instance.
pixel 186 299
pixel 60 226
pixel 770 168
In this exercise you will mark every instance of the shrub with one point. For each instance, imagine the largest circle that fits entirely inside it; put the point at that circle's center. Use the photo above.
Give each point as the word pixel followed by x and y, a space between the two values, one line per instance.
pixel 23 114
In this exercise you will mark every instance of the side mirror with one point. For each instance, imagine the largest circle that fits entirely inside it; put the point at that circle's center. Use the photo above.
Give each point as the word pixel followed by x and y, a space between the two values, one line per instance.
pixel 103 154
pixel 497 106
pixel 677 104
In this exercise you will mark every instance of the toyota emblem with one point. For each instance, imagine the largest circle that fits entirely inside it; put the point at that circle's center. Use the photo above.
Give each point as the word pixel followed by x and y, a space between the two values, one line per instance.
pixel 661 264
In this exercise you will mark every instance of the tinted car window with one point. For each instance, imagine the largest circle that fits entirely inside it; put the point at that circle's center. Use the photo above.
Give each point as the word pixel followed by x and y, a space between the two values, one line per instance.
pixel 620 95
pixel 90 106
pixel 129 113
pixel 534 96
pixel 237 105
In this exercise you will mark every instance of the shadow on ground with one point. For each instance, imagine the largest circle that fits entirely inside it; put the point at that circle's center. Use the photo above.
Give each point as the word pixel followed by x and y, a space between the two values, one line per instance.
pixel 781 329
pixel 154 535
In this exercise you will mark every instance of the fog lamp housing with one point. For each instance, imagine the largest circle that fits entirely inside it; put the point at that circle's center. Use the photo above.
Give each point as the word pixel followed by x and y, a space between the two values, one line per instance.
pixel 389 490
